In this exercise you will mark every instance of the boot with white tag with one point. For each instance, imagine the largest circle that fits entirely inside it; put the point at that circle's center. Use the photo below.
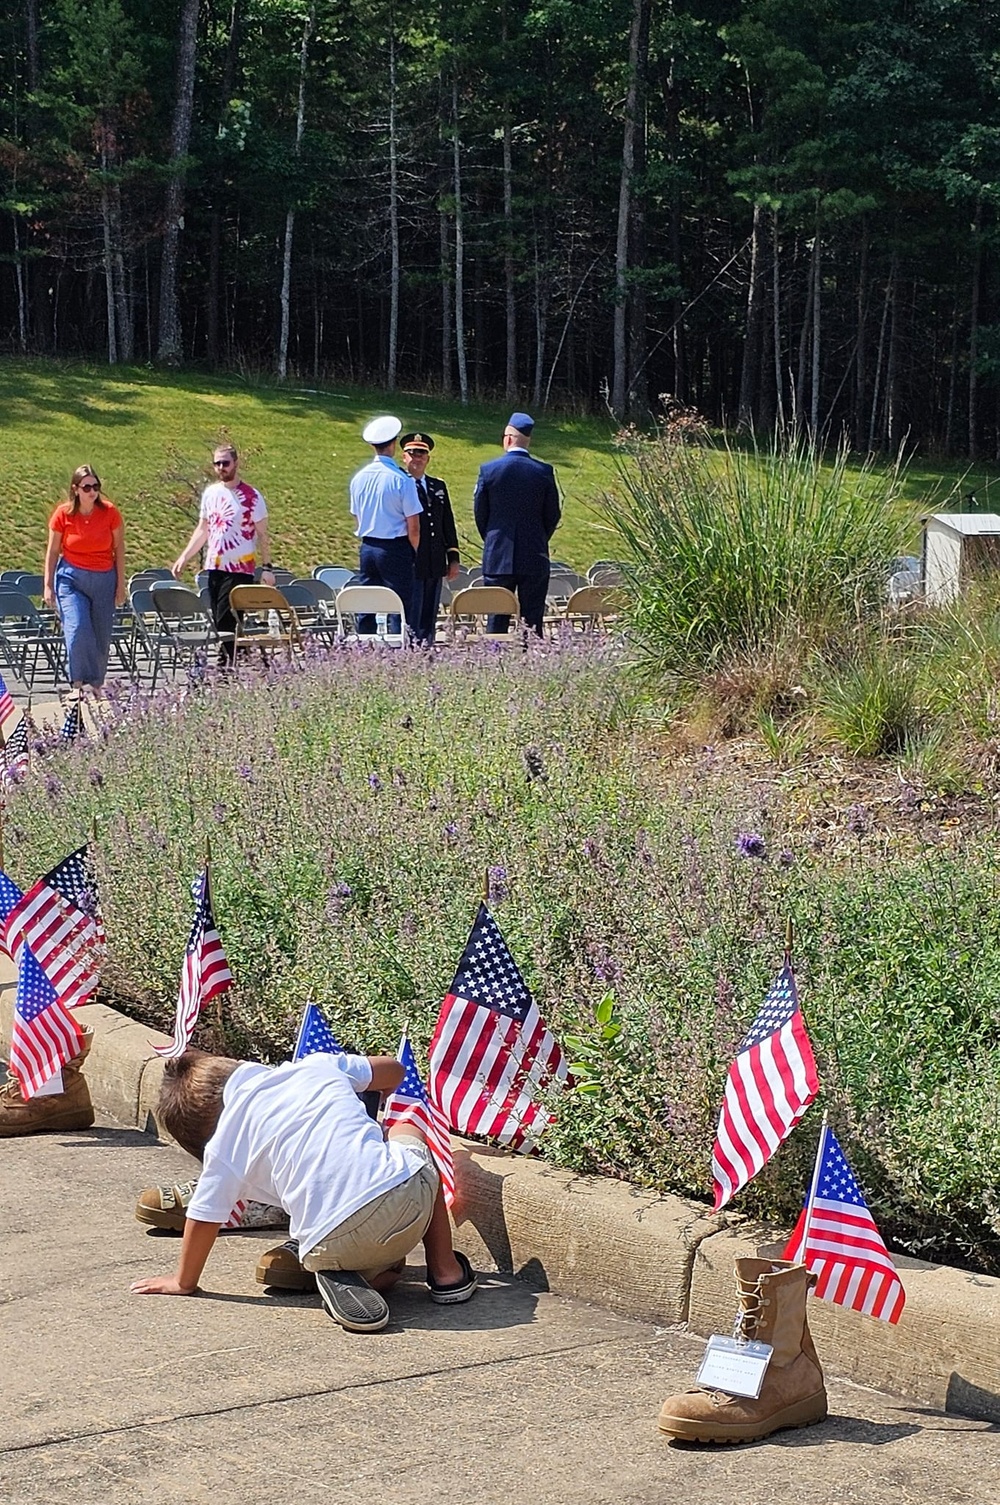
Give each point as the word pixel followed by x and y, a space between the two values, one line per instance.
pixel 772 1299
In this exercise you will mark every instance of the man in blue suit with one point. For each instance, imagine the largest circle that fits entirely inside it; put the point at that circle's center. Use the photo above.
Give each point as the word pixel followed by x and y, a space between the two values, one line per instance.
pixel 516 507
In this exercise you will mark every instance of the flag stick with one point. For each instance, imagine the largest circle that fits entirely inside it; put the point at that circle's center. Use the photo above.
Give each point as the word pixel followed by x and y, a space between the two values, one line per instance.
pixel 302 1027
pixel 788 941
pixel 814 1188
pixel 486 885
pixel 3 865
pixel 27 729
pixel 208 895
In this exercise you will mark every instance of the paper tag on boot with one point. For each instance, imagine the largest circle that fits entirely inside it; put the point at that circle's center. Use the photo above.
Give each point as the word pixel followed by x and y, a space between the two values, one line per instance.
pixel 733 1367
pixel 52 1087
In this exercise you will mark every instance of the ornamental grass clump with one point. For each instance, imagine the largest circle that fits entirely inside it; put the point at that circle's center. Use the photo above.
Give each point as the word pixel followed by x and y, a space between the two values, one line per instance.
pixel 735 555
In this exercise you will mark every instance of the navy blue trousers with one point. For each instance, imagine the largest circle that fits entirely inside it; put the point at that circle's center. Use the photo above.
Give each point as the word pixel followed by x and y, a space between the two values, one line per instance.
pixel 531 588
pixel 387 561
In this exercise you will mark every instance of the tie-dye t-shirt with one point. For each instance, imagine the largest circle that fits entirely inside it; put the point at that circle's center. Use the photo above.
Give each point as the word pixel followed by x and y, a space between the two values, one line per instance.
pixel 232 514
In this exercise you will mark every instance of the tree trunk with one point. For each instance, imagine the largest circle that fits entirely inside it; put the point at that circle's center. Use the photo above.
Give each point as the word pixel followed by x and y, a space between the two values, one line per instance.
pixel 393 359
pixel 444 251
pixel 463 373
pixel 541 322
pixel 949 423
pixel 169 343
pixel 19 281
pixel 861 342
pixel 779 382
pixel 286 260
pixel 108 254
pixel 638 46
pixel 817 303
pixel 214 281
pixel 754 319
pixel 977 269
pixel 800 375
pixel 880 356
pixel 892 427
pixel 510 288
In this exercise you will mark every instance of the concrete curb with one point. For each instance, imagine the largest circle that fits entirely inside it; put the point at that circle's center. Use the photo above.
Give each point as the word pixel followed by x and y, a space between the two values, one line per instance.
pixel 662 1259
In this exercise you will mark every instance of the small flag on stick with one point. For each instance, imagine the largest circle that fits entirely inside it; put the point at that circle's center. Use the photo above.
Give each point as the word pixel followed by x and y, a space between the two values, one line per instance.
pixel 837 1238
pixel 44 1035
pixel 15 755
pixel 60 919
pixel 492 1057
pixel 769 1087
pixel 73 724
pixel 315 1036
pixel 409 1104
pixel 205 972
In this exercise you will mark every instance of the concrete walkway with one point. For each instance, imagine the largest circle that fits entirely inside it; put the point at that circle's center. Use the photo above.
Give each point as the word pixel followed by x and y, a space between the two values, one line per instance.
pixel 521 1396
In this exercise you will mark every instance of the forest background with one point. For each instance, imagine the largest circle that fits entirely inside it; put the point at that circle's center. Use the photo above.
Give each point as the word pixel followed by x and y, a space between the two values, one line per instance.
pixel 776 210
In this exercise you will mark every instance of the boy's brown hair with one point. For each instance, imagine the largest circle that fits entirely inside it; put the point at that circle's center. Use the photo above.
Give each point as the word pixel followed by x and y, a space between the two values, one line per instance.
pixel 191 1098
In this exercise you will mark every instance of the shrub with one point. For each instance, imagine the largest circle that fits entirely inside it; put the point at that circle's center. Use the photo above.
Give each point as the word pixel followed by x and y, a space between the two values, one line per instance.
pixel 730 552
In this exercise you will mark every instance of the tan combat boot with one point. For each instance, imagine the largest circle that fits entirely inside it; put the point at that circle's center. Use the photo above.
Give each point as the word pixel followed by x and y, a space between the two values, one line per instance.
pixel 772 1297
pixel 69 1109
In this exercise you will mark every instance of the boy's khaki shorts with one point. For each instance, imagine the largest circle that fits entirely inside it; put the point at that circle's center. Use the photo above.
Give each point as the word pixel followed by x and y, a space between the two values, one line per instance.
pixel 385 1230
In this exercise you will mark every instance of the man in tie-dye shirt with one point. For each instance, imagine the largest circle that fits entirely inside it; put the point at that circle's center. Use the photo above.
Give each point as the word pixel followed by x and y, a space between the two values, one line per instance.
pixel 232 529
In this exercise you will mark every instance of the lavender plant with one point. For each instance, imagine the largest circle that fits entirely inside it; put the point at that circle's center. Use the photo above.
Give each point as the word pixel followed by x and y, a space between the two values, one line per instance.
pixel 357 808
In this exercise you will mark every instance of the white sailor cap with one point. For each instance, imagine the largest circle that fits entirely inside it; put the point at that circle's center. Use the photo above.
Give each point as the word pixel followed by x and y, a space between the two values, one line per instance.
pixel 382 430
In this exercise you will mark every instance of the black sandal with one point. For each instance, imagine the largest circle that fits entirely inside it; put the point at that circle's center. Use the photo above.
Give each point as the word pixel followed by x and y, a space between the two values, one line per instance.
pixel 458 1290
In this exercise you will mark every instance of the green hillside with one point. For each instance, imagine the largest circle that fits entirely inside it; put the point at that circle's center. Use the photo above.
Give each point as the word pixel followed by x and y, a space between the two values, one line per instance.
pixel 150 434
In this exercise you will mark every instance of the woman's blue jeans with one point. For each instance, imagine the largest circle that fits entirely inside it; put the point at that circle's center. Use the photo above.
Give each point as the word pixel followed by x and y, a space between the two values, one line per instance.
pixel 86 603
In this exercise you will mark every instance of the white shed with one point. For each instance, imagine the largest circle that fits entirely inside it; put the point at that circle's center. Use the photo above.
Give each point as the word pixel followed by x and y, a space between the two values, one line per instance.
pixel 958 547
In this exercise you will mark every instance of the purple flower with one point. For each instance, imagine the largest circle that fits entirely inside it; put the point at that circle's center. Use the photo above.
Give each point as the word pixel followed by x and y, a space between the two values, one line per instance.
pixel 786 858
pixel 451 831
pixel 375 781
pixel 218 812
pixel 245 772
pixel 607 968
pixel 749 844
pixel 498 889
pixel 53 788
pixel 96 777
pixel 336 901
pixel 858 821
pixel 591 849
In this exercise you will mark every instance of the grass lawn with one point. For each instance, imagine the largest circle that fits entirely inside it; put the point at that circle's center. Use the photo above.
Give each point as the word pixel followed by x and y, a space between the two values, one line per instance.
pixel 149 434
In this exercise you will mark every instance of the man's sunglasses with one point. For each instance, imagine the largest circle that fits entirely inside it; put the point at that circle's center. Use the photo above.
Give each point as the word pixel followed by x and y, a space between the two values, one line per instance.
pixel 230 461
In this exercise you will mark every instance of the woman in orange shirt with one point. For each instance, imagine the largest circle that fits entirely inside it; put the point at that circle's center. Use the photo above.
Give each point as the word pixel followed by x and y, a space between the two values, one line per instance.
pixel 85 575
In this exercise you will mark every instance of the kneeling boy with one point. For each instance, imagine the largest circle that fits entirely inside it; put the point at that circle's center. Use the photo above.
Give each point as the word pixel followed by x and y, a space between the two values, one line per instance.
pixel 298 1136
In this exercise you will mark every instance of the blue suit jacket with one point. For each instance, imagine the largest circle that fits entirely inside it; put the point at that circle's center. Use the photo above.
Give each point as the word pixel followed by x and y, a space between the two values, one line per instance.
pixel 516 507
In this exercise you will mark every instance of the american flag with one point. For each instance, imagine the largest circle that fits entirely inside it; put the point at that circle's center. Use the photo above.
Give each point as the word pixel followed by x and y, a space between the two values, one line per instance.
pixel 205 973
pixel 8 711
pixel 843 1245
pixel 409 1104
pixel 492 1056
pixel 44 1035
pixel 60 919
pixel 15 754
pixel 315 1035
pixel 73 724
pixel 770 1085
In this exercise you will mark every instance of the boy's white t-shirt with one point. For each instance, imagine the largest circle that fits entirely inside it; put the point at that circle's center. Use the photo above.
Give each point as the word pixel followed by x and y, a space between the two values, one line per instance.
pixel 299 1136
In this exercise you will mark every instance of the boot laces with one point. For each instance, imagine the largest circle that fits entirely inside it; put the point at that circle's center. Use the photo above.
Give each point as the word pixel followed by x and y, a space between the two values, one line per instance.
pixel 10 1092
pixel 748 1316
